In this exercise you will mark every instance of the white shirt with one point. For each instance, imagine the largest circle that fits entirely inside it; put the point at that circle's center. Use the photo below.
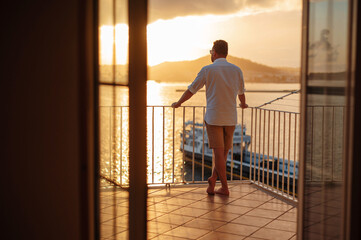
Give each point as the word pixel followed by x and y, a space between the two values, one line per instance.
pixel 224 81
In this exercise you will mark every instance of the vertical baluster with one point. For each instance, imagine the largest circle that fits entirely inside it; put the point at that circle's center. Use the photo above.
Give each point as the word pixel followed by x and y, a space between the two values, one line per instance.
pixel 163 145
pixel 311 144
pixel 184 115
pixel 322 142
pixel 295 160
pixel 194 113
pixel 174 145
pixel 203 144
pixel 278 149
pixel 268 142
pixel 252 151
pixel 153 144
pixel 284 150
pixel 255 146
pixel 273 148
pixel 259 145
pixel 332 137
pixel 289 153
pixel 263 145
pixel 110 143
pixel 121 146
pixel 241 154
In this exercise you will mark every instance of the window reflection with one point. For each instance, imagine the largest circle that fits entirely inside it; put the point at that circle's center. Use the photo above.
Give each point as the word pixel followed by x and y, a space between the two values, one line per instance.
pixel 326 82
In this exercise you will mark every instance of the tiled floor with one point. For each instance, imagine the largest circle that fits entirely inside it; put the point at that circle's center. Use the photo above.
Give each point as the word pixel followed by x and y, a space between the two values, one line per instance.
pixel 189 213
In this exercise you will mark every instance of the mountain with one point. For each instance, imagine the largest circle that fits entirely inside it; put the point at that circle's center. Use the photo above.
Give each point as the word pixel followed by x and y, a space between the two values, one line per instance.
pixel 186 71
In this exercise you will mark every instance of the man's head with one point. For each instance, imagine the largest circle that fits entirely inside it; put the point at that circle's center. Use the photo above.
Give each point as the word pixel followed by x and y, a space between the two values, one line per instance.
pixel 219 50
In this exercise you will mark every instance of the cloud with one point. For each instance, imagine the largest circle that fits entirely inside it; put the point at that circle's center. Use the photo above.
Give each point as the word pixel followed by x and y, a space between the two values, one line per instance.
pixel 168 9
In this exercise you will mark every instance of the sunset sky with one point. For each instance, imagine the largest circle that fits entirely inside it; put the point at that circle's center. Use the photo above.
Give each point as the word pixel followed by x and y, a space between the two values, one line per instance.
pixel 264 31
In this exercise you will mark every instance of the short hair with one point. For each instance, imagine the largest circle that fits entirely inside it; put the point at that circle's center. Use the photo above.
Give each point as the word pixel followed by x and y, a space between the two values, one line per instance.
pixel 220 47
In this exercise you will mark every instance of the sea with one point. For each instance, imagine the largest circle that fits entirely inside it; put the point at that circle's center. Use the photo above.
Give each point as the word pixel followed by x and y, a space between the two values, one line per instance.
pixel 164 126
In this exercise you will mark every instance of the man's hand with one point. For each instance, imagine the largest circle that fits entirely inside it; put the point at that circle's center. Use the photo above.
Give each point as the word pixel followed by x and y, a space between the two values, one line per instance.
pixel 243 105
pixel 176 105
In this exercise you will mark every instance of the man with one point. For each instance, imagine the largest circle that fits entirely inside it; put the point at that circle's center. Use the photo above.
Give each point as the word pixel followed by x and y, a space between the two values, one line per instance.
pixel 223 81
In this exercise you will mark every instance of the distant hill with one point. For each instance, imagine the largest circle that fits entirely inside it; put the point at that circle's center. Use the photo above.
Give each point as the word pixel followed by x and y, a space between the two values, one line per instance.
pixel 186 71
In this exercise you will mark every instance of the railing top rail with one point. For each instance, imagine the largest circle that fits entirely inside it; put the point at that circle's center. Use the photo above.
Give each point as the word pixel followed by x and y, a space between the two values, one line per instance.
pixel 197 106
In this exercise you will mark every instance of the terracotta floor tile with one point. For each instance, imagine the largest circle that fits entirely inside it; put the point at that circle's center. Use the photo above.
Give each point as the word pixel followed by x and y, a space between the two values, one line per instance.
pixel 258 197
pixel 294 237
pixel 189 213
pixel 150 235
pixel 124 204
pixel 278 201
pixel 221 236
pixel 253 238
pixel 105 217
pixel 219 199
pixel 238 229
pixel 121 221
pixel 192 196
pixel 200 190
pixel 122 235
pixel 247 203
pixel 220 216
pixel 234 209
pixel 293 210
pixel 119 210
pixel 275 206
pixel 164 193
pixel 204 224
pixel 159 227
pixel 155 200
pixel 236 194
pixel 186 232
pixel 206 205
pixel 167 237
pixel 178 201
pixel 252 221
pixel 264 213
pixel 272 234
pixel 247 188
pixel 283 225
pixel 163 207
pixel 288 216
pixel 184 189
pixel 173 219
pixel 192 212
pixel 107 231
pixel 154 214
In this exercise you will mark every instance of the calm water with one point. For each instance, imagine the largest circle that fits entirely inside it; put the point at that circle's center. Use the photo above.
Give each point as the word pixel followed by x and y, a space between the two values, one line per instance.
pixel 114 126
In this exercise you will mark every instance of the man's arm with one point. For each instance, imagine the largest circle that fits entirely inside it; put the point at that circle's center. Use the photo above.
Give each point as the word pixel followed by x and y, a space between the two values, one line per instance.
pixel 186 95
pixel 242 98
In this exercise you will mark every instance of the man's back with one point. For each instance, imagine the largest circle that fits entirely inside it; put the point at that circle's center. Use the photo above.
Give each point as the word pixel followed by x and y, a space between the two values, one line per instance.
pixel 223 81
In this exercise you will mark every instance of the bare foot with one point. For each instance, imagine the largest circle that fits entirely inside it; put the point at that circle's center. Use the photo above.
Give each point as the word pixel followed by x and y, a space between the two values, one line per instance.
pixel 211 185
pixel 222 191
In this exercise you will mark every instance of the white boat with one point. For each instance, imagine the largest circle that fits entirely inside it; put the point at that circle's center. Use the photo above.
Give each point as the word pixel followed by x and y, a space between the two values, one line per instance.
pixel 194 143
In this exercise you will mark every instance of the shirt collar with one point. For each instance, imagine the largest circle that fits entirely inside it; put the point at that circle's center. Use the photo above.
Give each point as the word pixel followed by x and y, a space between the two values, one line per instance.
pixel 220 60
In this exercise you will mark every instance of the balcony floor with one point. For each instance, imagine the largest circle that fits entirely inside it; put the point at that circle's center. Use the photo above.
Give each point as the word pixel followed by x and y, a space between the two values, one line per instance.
pixel 187 212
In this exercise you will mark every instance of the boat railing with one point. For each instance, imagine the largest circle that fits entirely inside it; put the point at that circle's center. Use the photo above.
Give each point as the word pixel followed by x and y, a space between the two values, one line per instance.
pixel 271 158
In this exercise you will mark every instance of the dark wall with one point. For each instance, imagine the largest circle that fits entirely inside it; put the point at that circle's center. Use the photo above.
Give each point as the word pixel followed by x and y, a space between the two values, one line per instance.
pixel 40 120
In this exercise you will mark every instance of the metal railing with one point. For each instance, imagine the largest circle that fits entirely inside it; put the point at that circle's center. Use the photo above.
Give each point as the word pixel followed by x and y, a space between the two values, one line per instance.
pixel 270 160
pixel 325 149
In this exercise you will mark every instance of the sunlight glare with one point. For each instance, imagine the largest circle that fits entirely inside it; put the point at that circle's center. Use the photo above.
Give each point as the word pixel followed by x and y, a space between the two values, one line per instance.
pixel 106 44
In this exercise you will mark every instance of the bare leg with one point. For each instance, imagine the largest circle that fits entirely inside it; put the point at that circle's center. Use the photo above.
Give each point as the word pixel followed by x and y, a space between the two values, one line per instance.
pixel 212 179
pixel 220 164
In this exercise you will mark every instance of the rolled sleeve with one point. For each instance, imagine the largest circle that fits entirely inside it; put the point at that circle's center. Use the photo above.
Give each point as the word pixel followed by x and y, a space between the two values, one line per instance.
pixel 199 82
